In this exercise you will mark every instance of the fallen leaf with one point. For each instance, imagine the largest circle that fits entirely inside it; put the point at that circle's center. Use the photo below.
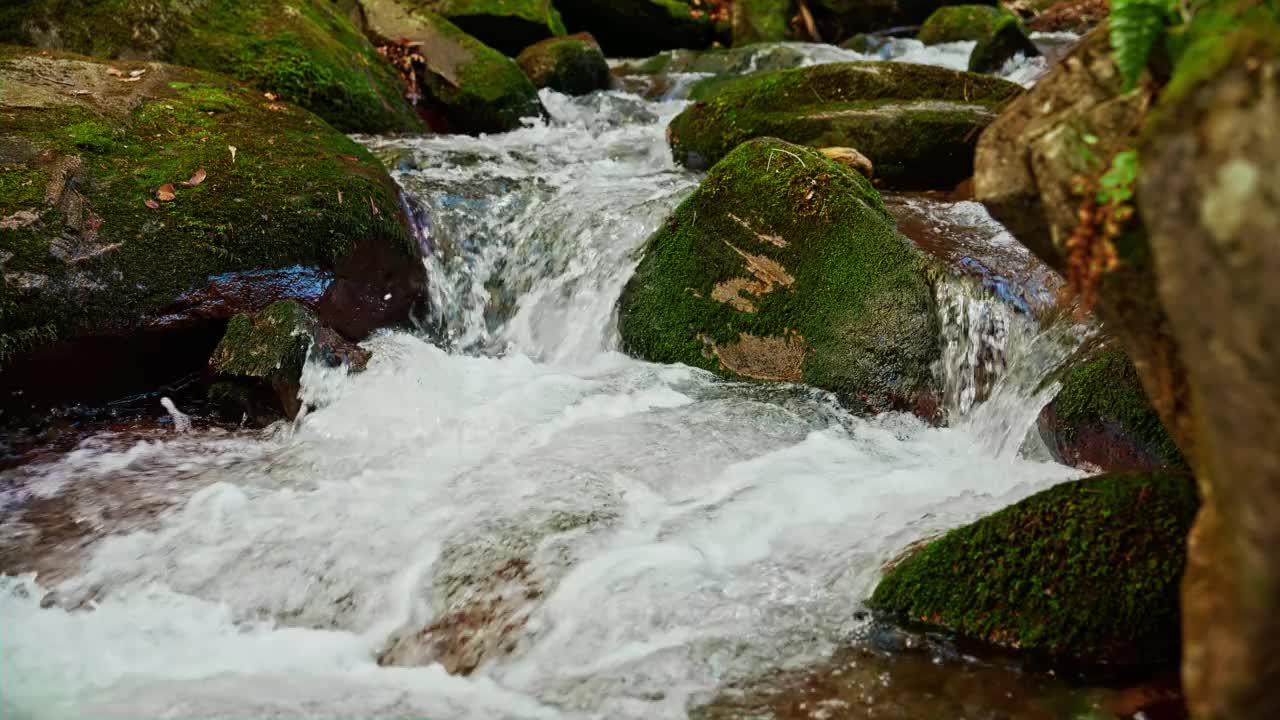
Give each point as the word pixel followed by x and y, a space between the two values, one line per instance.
pixel 349 158
pixel 232 148
pixel 137 73
pixel 339 197
pixel 166 193
pixel 277 107
pixel 270 96
pixel 130 79
pixel 196 178
pixel 115 72
pixel 151 203
pixel 376 211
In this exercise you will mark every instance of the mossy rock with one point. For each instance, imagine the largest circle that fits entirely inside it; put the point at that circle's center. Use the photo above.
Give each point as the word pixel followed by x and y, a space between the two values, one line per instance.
pixel 505 25
pixel 1102 418
pixel 718 61
pixel 957 23
pixel 475 88
pixel 1007 39
pixel 282 205
pixel 304 51
pixel 785 266
pixel 572 65
pixel 756 21
pixel 639 28
pixel 1085 573
pixel 917 123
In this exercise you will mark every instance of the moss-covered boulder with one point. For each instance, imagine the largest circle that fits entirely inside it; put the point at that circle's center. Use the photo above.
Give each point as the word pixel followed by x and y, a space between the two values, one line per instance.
pixel 917 123
pixel 258 364
pixel 573 65
pixel 638 28
pixel 785 266
pixel 1006 40
pixel 304 51
pixel 1101 418
pixel 718 61
pixel 143 202
pixel 756 21
pixel 1086 572
pixel 956 23
pixel 505 25
pixel 467 85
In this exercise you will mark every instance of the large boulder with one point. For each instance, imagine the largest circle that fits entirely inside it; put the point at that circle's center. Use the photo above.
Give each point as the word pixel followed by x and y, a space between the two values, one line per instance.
pixel 143 204
pixel 785 266
pixel 957 23
pixel 304 51
pixel 505 25
pixel 1006 40
pixel 1101 418
pixel 573 65
pixel 756 21
pixel 918 124
pixel 637 28
pixel 1085 573
pixel 469 86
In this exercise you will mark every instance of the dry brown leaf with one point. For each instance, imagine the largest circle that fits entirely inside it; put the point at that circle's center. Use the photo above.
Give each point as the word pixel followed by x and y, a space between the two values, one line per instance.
pixel 277 107
pixel 130 79
pixel 339 197
pixel 348 158
pixel 196 178
pixel 137 73
pixel 151 203
pixel 115 72
pixel 270 96
pixel 376 211
pixel 166 193
pixel 232 148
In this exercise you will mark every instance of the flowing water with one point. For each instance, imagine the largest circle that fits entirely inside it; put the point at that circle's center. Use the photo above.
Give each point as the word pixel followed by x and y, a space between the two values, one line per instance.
pixel 504 517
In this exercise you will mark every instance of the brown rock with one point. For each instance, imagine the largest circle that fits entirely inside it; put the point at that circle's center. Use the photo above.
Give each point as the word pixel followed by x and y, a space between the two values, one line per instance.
pixel 850 158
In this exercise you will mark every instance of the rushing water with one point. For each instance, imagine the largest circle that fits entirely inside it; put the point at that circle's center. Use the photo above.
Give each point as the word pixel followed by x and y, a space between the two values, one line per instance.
pixel 504 494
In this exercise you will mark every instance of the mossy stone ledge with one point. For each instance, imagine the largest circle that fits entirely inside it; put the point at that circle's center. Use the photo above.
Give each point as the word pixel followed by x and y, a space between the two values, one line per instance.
pixel 757 21
pixel 639 28
pixel 504 25
pixel 785 266
pixel 142 202
pixel 918 124
pixel 1086 573
pixel 306 52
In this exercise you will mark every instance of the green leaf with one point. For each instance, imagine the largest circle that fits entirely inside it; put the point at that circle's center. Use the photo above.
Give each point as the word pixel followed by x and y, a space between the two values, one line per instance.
pixel 1135 27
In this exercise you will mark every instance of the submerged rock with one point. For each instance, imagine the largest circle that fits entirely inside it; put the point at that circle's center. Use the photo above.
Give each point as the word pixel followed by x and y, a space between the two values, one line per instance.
pixel 917 123
pixel 475 88
pixel 258 363
pixel 636 28
pixel 1102 420
pixel 572 65
pixel 505 25
pixel 1085 573
pixel 143 204
pixel 305 51
pixel 785 266
pixel 756 21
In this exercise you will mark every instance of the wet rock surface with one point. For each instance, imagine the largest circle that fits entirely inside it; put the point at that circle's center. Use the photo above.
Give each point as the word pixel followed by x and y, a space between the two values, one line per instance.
pixel 573 65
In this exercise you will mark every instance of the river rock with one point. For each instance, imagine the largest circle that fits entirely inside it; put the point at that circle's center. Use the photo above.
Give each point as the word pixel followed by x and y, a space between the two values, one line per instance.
pixel 958 23
pixel 785 266
pixel 756 21
pixel 143 204
pixel 572 65
pixel 1085 573
pixel 1101 419
pixel 850 158
pixel 638 28
pixel 505 25
pixel 1006 40
pixel 718 61
pixel 258 363
pixel 917 123
pixel 306 51
pixel 469 85
pixel 1210 166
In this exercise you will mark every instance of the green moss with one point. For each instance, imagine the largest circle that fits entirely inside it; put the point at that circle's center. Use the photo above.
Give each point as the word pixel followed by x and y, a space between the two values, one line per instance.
pixel 861 300
pixel 271 344
pixel 507 25
pixel 572 65
pixel 757 21
pixel 304 51
pixel 917 124
pixel 296 193
pixel 1088 571
pixel 956 23
pixel 1107 390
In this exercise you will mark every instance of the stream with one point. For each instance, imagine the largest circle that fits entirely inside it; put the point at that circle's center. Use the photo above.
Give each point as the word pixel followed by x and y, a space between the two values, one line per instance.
pixel 504 516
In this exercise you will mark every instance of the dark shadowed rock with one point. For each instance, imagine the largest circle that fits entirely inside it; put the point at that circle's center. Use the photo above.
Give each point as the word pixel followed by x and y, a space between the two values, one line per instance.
pixel 572 65
pixel 505 25
pixel 636 28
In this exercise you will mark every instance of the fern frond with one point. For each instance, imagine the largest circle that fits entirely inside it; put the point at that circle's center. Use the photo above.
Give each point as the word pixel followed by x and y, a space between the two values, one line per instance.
pixel 1135 27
